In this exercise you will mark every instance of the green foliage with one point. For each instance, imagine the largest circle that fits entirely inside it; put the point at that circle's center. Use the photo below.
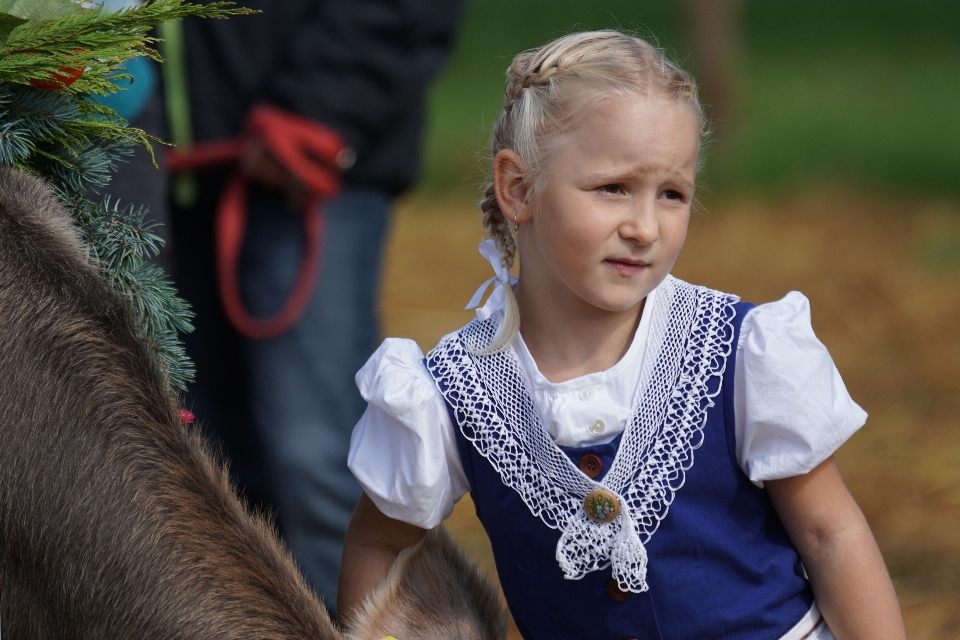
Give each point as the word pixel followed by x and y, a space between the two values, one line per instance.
pixel 124 240
pixel 13 13
pixel 860 93
pixel 75 142
pixel 94 40
pixel 71 142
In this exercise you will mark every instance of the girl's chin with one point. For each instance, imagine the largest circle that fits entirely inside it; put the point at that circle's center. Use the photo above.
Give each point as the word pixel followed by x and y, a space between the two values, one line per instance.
pixel 617 305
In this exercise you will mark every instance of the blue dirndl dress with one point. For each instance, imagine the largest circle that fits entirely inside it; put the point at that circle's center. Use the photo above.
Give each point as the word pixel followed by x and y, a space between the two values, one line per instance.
pixel 695 551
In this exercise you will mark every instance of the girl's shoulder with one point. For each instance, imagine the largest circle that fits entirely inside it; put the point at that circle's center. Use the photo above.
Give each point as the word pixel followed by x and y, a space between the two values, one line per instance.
pixel 791 308
pixel 789 316
pixel 783 323
pixel 403 450
pixel 778 339
pixel 394 378
pixel 792 408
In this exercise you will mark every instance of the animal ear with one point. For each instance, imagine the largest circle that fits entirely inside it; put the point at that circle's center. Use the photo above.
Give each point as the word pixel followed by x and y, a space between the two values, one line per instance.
pixel 432 592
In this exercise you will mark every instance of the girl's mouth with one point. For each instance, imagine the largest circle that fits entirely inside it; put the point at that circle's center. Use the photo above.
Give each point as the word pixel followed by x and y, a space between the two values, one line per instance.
pixel 626 266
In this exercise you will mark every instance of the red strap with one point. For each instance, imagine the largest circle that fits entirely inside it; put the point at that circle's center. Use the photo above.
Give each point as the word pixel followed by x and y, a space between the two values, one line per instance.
pixel 308 150
pixel 204 155
pixel 231 226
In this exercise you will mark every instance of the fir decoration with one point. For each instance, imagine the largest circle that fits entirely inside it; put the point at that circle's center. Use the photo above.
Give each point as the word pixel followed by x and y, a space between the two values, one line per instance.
pixel 13 13
pixel 63 135
pixel 95 40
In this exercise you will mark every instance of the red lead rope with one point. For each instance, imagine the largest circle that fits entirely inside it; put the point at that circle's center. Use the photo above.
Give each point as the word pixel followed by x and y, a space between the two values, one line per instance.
pixel 314 154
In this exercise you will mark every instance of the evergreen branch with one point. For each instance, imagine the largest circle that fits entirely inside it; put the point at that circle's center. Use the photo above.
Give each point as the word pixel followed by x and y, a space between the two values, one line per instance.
pixel 15 144
pixel 95 41
pixel 75 142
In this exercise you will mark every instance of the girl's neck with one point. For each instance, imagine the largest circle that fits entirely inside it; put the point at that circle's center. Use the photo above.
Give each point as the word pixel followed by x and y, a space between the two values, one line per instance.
pixel 572 340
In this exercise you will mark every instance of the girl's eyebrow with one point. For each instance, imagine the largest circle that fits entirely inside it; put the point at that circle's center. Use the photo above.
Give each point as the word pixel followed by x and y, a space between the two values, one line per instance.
pixel 619 175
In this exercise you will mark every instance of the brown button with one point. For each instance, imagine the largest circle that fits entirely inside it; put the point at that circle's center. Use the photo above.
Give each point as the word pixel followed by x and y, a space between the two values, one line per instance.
pixel 615 593
pixel 591 465
pixel 601 506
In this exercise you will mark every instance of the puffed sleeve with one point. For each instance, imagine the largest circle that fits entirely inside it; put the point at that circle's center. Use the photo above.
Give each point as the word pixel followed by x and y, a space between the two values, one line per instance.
pixel 792 408
pixel 403 452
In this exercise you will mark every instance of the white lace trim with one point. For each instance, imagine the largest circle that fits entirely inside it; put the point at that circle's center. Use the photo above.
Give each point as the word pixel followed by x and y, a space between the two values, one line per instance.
pixel 690 339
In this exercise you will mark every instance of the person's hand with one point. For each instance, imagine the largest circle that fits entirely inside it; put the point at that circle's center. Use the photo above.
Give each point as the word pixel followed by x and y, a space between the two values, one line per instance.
pixel 372 544
pixel 261 166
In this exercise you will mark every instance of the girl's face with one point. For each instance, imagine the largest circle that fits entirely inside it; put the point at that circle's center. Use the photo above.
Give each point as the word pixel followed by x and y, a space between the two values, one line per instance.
pixel 611 217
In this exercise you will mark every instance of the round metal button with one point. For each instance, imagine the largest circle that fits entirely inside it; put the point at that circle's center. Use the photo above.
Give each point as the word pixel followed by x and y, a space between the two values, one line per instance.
pixel 601 506
pixel 615 593
pixel 598 426
pixel 586 393
pixel 591 465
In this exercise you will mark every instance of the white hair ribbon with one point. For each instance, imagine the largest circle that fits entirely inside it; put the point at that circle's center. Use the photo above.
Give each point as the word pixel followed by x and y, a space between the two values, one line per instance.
pixel 488 249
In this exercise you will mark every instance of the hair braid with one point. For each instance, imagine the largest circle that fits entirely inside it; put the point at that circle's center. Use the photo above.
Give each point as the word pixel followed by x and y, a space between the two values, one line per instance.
pixel 498 227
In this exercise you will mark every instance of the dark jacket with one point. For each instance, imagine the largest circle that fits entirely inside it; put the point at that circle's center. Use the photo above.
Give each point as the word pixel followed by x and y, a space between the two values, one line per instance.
pixel 359 66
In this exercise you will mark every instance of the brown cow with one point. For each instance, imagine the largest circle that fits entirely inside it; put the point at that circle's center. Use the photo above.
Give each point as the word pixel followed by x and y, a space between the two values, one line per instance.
pixel 115 522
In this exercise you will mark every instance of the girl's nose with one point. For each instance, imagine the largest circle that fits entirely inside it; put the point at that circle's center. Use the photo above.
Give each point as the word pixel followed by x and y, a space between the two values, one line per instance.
pixel 642 224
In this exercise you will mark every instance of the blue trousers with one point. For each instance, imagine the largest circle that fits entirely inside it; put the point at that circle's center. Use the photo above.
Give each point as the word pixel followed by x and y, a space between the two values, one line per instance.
pixel 302 394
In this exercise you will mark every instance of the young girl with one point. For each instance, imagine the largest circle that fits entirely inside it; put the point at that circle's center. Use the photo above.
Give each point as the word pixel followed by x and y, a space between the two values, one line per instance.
pixel 650 459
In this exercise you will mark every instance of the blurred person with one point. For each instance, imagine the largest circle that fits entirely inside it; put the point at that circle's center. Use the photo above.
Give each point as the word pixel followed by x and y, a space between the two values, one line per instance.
pixel 283 407
pixel 650 458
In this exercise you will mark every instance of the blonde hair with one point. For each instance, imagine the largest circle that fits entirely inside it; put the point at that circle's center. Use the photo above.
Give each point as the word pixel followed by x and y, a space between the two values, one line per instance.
pixel 547 91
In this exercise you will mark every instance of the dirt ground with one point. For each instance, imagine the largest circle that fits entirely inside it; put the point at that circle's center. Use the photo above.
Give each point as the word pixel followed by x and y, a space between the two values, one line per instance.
pixel 883 279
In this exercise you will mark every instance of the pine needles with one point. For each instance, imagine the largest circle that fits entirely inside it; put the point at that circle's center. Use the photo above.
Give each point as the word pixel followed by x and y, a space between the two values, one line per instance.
pixel 93 40
pixel 75 143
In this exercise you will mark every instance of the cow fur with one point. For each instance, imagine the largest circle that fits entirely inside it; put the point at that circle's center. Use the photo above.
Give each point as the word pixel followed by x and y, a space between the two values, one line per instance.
pixel 115 522
pixel 431 593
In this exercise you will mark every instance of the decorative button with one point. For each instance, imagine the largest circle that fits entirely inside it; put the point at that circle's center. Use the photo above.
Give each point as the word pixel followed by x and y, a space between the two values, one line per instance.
pixel 591 465
pixel 601 506
pixel 598 426
pixel 586 394
pixel 615 593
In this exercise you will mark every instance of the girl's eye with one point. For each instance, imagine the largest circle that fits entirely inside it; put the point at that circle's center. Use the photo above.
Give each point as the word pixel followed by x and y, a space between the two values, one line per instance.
pixel 611 188
pixel 671 194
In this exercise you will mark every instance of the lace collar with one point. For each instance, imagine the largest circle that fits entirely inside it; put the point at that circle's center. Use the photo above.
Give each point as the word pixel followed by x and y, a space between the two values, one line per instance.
pixel 690 338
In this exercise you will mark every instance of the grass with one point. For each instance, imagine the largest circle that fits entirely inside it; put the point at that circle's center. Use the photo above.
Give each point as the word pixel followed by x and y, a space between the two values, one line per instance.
pixel 855 93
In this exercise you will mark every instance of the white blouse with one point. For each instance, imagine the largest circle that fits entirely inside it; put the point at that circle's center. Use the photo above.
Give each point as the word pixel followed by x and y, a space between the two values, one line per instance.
pixel 791 406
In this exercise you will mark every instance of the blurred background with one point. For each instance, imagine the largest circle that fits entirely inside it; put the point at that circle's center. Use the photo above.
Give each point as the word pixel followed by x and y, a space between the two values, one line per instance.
pixel 834 169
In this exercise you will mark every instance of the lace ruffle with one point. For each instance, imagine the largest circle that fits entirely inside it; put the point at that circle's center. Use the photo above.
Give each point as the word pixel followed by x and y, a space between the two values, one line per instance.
pixel 690 340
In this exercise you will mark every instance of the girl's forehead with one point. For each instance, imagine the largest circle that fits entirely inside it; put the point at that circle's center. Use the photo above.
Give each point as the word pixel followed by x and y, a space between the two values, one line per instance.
pixel 583 99
pixel 626 138
pixel 632 124
pixel 595 116
pixel 641 107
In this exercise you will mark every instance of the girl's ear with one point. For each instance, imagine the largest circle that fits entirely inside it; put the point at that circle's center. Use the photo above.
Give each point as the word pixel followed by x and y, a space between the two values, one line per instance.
pixel 511 185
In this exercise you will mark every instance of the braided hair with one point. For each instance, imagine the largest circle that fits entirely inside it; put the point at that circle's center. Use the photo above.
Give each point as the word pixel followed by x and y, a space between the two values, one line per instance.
pixel 546 92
